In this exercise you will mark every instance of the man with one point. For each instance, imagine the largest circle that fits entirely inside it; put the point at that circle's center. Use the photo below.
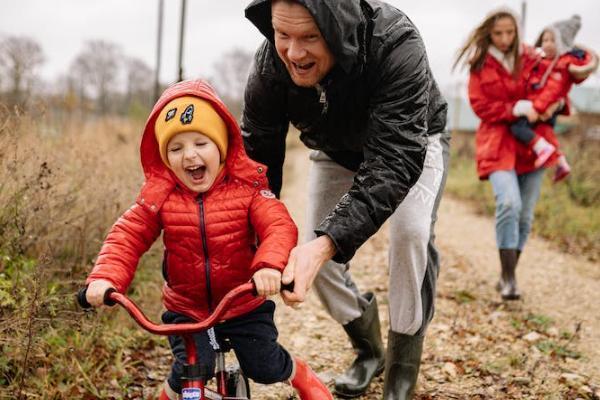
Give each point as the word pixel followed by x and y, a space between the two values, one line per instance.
pixel 353 77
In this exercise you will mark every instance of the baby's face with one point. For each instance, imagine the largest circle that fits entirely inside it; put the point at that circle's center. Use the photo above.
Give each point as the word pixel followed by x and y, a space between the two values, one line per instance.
pixel 194 159
pixel 548 44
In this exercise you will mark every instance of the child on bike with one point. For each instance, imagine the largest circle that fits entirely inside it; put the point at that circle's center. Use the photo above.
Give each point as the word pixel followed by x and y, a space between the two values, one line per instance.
pixel 560 65
pixel 221 227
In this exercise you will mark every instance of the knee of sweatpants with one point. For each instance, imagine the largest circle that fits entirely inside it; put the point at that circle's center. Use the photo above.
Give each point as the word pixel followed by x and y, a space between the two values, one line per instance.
pixel 413 233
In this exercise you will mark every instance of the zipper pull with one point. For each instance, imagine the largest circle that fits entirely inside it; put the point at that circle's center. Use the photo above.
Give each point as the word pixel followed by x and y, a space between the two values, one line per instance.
pixel 322 94
pixel 322 98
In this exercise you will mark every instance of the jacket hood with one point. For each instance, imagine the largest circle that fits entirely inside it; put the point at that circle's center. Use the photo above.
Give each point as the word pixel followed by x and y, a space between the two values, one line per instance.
pixel 237 163
pixel 342 24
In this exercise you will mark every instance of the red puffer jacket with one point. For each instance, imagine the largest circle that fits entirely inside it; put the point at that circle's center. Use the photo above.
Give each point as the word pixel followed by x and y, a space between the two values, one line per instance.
pixel 493 92
pixel 557 86
pixel 559 81
pixel 210 239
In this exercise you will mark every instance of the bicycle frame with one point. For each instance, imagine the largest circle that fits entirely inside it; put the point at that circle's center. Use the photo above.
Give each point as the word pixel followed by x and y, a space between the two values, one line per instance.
pixel 193 382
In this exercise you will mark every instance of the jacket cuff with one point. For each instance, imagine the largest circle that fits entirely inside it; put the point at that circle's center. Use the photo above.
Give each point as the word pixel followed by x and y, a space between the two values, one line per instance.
pixel 522 107
pixel 118 288
pixel 341 255
pixel 262 264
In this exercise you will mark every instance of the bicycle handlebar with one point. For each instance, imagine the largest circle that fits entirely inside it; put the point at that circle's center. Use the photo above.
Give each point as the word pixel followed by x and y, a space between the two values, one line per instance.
pixel 112 297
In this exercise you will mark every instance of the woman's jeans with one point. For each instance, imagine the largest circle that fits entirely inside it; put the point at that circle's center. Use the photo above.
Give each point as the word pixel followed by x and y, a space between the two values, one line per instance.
pixel 516 197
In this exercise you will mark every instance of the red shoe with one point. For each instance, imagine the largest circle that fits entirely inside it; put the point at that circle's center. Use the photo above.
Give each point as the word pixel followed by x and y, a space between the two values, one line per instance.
pixel 163 395
pixel 561 172
pixel 168 394
pixel 307 384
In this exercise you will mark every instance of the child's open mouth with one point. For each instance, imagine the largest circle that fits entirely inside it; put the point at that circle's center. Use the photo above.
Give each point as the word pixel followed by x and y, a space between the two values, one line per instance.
pixel 196 172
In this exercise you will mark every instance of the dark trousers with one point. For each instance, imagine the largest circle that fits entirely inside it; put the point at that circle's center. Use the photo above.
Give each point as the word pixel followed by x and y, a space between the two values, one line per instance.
pixel 253 338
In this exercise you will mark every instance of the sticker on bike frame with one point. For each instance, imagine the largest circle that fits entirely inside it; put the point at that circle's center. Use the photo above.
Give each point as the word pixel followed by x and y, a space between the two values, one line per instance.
pixel 191 394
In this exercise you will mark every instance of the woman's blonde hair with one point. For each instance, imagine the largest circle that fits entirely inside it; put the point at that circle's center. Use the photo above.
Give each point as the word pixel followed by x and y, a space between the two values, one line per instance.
pixel 476 47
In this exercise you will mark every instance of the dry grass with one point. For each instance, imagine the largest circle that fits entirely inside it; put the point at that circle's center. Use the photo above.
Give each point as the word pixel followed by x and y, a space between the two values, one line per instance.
pixel 568 213
pixel 63 184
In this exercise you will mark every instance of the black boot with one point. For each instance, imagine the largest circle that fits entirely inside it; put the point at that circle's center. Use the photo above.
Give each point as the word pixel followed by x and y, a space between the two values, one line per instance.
pixel 500 283
pixel 508 280
pixel 365 336
pixel 402 363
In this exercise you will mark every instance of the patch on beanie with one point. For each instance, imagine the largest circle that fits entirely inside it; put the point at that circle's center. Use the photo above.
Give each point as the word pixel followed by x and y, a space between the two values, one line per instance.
pixel 171 114
pixel 188 115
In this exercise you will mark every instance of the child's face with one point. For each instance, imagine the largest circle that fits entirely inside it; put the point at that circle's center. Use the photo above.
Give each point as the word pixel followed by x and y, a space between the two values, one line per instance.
pixel 548 44
pixel 194 159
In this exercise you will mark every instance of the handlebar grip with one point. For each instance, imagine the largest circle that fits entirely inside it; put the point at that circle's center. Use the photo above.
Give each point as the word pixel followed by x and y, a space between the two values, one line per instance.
pixel 107 300
pixel 289 287
pixel 82 300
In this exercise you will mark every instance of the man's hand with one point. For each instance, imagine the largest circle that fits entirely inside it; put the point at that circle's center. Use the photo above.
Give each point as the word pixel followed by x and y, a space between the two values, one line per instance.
pixel 267 281
pixel 303 265
pixel 95 292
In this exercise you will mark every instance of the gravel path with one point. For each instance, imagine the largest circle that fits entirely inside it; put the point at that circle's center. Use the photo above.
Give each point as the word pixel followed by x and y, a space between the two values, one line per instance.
pixel 544 346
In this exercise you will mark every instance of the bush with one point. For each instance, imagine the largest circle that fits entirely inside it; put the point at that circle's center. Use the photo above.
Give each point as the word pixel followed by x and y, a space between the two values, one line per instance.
pixel 62 186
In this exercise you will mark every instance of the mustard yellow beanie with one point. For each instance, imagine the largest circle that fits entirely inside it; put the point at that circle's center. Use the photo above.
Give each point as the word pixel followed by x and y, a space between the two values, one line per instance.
pixel 190 114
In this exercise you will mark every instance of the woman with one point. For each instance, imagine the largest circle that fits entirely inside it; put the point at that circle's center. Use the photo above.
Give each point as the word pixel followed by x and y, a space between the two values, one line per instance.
pixel 499 68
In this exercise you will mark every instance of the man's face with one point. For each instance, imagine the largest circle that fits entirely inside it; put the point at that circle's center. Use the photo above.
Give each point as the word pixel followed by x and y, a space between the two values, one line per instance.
pixel 299 44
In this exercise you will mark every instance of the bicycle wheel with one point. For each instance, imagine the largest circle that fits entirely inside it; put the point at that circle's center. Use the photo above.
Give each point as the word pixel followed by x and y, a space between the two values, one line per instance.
pixel 237 383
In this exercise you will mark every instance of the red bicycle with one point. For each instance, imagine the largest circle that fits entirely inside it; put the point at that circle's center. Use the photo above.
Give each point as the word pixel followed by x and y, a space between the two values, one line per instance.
pixel 231 382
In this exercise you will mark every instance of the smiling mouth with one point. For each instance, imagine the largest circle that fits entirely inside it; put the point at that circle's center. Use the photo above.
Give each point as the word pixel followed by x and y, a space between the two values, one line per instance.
pixel 196 172
pixel 302 68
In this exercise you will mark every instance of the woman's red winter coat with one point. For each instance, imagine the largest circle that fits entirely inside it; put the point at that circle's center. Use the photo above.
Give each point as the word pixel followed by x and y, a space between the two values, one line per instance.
pixel 493 92
pixel 210 239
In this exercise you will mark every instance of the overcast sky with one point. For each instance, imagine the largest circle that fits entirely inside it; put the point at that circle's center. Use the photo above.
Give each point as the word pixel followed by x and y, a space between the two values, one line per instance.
pixel 214 27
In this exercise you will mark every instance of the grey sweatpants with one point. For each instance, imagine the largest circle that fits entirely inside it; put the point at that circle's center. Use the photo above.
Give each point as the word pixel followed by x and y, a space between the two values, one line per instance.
pixel 413 258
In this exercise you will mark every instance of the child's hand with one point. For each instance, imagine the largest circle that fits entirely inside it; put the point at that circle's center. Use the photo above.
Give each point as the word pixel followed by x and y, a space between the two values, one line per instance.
pixel 532 116
pixel 95 292
pixel 267 281
pixel 552 108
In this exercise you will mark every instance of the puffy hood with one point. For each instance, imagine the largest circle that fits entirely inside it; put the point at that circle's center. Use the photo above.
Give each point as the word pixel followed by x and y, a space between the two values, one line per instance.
pixel 237 164
pixel 341 23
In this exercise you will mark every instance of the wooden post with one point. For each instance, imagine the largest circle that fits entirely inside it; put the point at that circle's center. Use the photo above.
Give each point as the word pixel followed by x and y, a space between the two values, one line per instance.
pixel 181 32
pixel 158 50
